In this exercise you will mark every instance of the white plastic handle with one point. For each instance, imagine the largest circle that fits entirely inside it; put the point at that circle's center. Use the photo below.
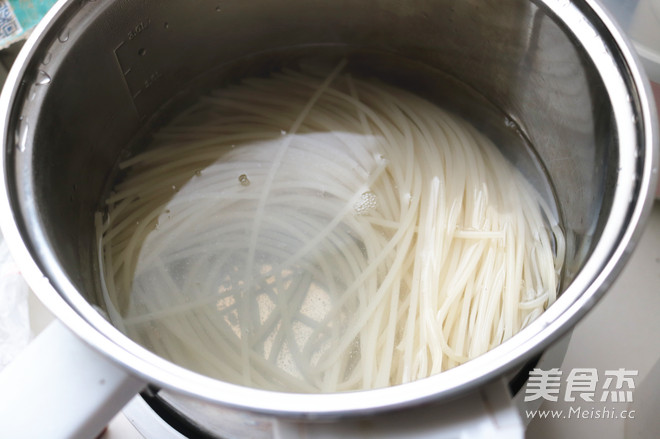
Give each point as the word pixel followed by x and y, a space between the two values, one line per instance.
pixel 488 413
pixel 60 387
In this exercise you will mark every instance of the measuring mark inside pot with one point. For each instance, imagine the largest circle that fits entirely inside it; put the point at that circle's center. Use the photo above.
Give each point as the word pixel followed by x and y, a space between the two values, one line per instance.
pixel 130 54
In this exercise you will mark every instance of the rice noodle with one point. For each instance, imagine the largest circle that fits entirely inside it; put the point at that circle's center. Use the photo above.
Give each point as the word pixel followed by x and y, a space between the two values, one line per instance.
pixel 321 234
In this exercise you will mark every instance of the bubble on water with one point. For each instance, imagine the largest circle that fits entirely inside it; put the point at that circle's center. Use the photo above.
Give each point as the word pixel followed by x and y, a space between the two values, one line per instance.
pixel 244 180
pixel 366 203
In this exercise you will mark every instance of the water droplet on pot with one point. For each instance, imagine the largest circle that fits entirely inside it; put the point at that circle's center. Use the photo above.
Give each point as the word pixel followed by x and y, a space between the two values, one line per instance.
pixel 47 58
pixel 142 51
pixel 22 134
pixel 64 35
pixel 43 78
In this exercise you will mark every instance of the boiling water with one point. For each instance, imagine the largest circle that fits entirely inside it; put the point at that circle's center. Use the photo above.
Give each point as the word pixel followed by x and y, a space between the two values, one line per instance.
pixel 266 247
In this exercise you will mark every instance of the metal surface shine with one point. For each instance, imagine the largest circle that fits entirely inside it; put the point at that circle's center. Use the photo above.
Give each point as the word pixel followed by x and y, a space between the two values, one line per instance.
pixel 561 69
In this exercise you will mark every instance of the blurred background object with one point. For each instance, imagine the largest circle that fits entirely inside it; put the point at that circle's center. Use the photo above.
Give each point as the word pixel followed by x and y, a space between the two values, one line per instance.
pixel 640 19
pixel 18 17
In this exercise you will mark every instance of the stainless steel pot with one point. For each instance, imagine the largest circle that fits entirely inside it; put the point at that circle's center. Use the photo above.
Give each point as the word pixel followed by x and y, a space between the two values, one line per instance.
pixel 94 74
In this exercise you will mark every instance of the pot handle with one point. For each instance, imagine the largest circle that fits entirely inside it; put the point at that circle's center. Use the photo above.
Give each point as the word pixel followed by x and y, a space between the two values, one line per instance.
pixel 487 413
pixel 59 387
